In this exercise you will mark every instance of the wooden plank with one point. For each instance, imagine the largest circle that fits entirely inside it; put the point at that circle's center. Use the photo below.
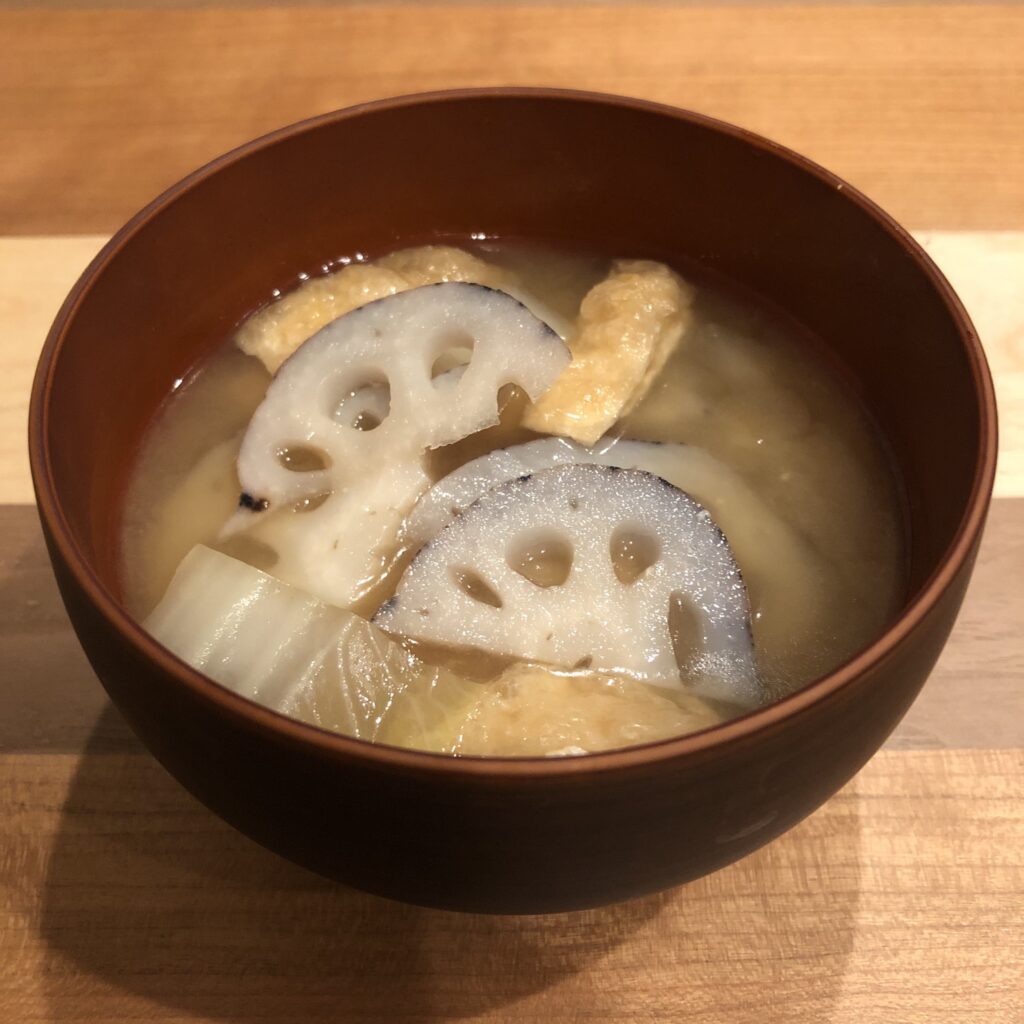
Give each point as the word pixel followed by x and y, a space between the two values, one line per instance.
pixel 922 106
pixel 146 5
pixel 986 268
pixel 900 900
pixel 987 271
pixel 50 699
pixel 35 276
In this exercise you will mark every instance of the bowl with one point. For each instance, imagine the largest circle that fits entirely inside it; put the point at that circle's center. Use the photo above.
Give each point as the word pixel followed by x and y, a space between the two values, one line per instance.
pixel 496 835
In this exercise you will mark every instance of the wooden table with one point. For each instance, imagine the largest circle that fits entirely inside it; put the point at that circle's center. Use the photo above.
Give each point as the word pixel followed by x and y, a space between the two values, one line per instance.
pixel 901 901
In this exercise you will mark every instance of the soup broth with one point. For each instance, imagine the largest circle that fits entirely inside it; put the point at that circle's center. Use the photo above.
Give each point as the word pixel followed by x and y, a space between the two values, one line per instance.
pixel 745 386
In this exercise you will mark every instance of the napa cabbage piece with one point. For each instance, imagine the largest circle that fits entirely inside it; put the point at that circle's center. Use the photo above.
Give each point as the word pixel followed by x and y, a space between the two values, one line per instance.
pixel 290 652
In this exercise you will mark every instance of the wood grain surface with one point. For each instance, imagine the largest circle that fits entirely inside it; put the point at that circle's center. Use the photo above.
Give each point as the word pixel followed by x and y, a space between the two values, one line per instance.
pixel 901 901
pixel 921 106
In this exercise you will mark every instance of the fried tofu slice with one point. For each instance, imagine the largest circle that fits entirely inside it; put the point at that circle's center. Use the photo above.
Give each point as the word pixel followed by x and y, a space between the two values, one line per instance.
pixel 432 264
pixel 275 332
pixel 629 325
pixel 531 711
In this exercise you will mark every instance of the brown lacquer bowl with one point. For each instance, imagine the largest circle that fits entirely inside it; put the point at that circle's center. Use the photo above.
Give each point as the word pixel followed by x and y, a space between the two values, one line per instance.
pixel 611 174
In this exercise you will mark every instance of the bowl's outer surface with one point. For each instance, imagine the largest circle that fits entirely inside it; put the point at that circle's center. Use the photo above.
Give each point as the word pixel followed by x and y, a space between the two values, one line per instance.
pixel 621 176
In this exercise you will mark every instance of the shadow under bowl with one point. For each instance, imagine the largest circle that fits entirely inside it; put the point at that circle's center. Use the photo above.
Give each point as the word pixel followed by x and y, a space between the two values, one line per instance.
pixel 605 173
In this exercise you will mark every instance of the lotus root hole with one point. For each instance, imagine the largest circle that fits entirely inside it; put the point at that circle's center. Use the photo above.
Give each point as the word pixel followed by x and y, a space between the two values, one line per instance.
pixel 512 403
pixel 303 458
pixel 455 350
pixel 363 403
pixel 633 552
pixel 474 586
pixel 686 628
pixel 544 558
pixel 367 421
pixel 311 503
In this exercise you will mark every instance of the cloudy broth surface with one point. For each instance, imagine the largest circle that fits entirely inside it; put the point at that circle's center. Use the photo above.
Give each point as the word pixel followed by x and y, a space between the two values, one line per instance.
pixel 744 385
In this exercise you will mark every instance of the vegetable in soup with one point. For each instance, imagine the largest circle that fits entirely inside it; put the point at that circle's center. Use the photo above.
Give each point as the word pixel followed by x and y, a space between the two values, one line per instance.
pixel 514 501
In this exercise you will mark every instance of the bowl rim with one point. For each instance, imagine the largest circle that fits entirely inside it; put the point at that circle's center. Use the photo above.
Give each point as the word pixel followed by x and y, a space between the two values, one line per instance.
pixel 332 744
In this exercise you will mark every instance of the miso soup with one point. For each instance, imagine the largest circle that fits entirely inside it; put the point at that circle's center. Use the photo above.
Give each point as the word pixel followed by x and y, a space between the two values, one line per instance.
pixel 512 500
